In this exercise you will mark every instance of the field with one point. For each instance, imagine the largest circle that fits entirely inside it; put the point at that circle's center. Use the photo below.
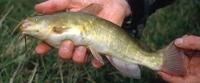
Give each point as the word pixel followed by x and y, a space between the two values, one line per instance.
pixel 20 64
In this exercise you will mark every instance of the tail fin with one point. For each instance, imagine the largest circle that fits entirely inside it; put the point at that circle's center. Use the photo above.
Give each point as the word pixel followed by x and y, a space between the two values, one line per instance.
pixel 174 60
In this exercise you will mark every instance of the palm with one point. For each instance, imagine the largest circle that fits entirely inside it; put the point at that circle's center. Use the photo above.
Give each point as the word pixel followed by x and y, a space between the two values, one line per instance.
pixel 113 10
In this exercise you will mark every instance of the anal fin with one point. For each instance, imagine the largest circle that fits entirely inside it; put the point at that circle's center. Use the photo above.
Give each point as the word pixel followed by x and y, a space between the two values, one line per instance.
pixel 126 69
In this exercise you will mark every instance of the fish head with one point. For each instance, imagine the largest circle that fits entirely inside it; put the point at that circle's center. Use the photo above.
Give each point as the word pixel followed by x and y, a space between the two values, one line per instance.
pixel 36 26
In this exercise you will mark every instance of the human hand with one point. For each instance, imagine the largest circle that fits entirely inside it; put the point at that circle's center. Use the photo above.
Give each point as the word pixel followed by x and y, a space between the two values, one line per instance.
pixel 113 10
pixel 191 46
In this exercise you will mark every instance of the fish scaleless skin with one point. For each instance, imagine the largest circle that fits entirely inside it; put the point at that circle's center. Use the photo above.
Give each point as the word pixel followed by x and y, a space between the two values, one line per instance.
pixel 106 37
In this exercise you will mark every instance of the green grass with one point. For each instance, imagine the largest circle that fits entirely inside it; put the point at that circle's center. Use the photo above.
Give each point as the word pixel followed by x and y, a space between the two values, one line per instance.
pixel 19 64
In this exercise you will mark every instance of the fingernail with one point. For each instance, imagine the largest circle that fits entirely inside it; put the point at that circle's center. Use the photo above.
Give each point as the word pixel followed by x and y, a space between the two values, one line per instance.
pixel 81 49
pixel 179 41
pixel 66 46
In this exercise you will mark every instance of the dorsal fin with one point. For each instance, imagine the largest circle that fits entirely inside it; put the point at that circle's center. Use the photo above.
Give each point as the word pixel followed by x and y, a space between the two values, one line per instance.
pixel 92 9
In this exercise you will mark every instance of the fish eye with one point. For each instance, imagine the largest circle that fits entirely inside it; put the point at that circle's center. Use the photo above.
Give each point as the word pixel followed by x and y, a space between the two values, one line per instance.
pixel 35 18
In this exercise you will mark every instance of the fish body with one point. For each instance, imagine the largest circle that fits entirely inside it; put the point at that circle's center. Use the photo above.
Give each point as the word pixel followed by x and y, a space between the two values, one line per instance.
pixel 103 37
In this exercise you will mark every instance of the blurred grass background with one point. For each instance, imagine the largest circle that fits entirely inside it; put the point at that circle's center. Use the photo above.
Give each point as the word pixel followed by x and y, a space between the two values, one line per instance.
pixel 20 64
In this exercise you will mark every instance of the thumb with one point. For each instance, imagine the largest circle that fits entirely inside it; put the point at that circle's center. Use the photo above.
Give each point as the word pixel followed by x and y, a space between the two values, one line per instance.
pixel 188 42
pixel 51 6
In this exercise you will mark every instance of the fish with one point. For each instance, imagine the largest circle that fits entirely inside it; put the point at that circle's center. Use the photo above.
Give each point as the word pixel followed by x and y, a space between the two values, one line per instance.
pixel 103 37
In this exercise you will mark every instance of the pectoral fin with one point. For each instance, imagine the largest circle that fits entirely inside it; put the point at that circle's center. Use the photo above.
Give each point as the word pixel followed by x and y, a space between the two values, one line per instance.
pixel 126 69
pixel 92 9
pixel 96 55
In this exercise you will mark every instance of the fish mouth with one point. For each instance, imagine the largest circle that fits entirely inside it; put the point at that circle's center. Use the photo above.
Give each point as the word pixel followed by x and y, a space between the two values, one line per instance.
pixel 21 28
pixel 25 24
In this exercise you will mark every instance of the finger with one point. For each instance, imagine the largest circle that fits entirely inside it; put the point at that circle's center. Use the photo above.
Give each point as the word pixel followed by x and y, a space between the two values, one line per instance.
pixel 79 55
pixel 96 63
pixel 52 6
pixel 189 42
pixel 42 48
pixel 66 50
